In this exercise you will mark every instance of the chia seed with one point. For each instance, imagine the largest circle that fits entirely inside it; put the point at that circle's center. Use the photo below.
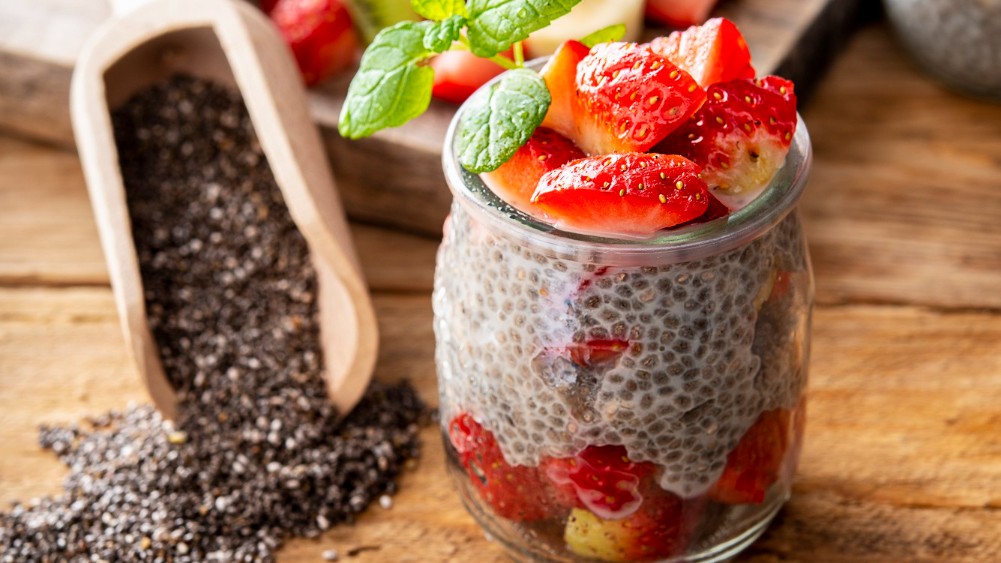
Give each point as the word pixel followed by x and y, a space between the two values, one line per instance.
pixel 257 453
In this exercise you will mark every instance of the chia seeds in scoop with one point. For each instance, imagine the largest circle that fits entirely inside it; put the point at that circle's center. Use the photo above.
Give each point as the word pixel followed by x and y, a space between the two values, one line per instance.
pixel 257 454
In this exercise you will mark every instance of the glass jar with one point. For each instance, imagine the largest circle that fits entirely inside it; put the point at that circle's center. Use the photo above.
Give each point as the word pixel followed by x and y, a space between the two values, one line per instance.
pixel 959 41
pixel 623 400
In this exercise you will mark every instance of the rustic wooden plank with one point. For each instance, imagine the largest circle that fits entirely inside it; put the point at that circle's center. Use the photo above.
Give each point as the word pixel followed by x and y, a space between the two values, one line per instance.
pixel 902 458
pixel 395 177
pixel 903 204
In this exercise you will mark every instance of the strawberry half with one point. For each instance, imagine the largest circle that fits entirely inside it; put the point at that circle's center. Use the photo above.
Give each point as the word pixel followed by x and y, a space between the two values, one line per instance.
pixel 660 529
pixel 628 98
pixel 756 462
pixel 712 52
pixel 633 194
pixel 514 492
pixel 740 136
pixel 516 180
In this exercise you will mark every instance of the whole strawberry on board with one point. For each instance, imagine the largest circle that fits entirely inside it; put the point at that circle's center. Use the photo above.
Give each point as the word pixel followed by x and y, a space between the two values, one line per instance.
pixel 320 34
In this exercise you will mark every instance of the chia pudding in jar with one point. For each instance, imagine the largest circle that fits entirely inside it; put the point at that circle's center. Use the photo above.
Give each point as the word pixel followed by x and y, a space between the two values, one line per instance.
pixel 623 389
pixel 958 41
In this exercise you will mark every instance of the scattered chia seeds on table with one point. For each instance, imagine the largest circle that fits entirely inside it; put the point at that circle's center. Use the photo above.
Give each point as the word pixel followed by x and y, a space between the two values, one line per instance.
pixel 257 454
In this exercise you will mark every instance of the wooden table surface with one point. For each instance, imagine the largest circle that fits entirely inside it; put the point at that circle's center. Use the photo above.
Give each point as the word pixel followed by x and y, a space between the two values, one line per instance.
pixel 903 448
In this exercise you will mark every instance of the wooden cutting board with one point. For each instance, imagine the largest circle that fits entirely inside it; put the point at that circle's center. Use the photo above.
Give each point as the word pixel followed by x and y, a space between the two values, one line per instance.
pixel 393 178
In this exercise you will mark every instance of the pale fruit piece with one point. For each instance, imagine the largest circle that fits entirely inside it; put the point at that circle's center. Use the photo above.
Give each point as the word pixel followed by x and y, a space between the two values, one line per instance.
pixel 587 17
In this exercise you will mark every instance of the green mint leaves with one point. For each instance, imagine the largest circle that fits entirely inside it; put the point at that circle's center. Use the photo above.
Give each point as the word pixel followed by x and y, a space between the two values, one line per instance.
pixel 500 118
pixel 494 25
pixel 439 9
pixel 604 35
pixel 394 80
pixel 392 85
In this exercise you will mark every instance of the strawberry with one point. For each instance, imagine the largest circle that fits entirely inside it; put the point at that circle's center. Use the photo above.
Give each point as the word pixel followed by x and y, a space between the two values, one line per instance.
pixel 596 352
pixel 628 98
pixel 679 13
pixel 602 479
pixel 741 135
pixel 514 492
pixel 320 35
pixel 516 180
pixel 661 528
pixel 457 74
pixel 712 52
pixel 756 462
pixel 560 75
pixel 633 194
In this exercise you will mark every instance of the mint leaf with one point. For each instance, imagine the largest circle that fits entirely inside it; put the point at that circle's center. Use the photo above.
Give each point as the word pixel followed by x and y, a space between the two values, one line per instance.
pixel 439 9
pixel 440 36
pixel 494 25
pixel 604 35
pixel 498 119
pixel 391 86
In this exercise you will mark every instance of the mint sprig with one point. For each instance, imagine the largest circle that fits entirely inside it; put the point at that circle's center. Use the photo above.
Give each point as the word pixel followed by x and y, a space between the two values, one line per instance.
pixel 604 35
pixel 394 82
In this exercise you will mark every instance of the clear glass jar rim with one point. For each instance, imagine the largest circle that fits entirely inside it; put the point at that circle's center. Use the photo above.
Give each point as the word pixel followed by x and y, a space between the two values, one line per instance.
pixel 674 245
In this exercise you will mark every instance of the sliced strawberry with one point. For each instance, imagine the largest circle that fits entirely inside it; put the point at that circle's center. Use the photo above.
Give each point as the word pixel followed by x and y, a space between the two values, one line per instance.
pixel 596 352
pixel 320 35
pixel 560 75
pixel 633 194
pixel 514 492
pixel 457 74
pixel 516 180
pixel 661 528
pixel 712 52
pixel 756 462
pixel 629 98
pixel 740 136
pixel 602 479
pixel 679 13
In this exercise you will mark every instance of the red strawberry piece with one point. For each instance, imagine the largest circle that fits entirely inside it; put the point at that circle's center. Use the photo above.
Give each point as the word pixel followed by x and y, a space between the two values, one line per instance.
pixel 320 34
pixel 267 5
pixel 514 492
pixel 515 180
pixel 740 136
pixel 661 528
pixel 629 98
pixel 457 74
pixel 679 13
pixel 602 479
pixel 633 194
pixel 712 52
pixel 756 462
pixel 597 351
pixel 560 75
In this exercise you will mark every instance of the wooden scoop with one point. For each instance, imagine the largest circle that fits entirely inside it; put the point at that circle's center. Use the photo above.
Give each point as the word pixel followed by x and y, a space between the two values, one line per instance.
pixel 230 43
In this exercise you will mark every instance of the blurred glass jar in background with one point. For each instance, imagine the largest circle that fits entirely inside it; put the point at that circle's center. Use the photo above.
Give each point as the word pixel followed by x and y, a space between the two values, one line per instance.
pixel 958 41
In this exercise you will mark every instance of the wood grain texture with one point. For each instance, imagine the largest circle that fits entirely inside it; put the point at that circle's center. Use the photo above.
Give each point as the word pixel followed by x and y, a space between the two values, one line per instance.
pixel 393 178
pixel 903 205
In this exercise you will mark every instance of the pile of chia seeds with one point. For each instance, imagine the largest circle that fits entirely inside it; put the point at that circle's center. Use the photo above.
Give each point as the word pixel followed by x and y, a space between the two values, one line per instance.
pixel 256 454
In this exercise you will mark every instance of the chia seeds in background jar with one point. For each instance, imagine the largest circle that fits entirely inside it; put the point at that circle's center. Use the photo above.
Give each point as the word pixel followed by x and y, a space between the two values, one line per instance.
pixel 958 41
pixel 257 454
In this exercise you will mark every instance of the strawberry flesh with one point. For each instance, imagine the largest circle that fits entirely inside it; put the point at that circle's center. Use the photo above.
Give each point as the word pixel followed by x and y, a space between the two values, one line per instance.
pixel 633 194
pixel 712 52
pixel 602 479
pixel 679 13
pixel 740 136
pixel 597 351
pixel 515 180
pixel 515 492
pixel 756 462
pixel 628 98
pixel 560 76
